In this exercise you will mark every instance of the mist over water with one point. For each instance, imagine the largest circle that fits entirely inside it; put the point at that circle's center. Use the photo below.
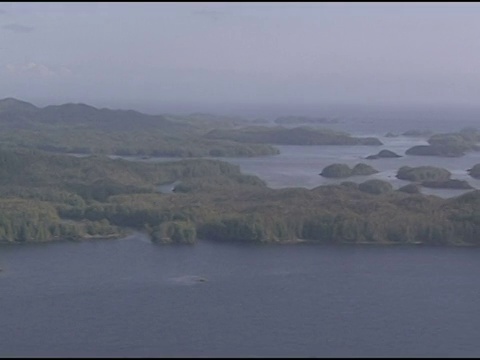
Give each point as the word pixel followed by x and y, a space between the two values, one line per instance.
pixel 423 115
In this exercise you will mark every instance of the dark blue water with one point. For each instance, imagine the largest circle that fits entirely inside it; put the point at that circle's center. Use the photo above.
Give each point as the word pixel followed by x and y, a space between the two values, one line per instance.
pixel 131 298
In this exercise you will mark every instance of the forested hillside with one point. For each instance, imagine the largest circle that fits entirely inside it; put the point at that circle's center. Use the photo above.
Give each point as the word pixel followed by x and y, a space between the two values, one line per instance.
pixel 80 128
pixel 45 197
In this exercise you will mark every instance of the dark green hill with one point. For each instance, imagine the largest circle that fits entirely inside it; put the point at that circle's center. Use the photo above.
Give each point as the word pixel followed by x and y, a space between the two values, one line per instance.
pixel 432 177
pixel 342 170
pixel 383 154
pixel 45 197
pixel 10 105
pixel 290 136
pixel 62 196
pixel 83 115
pixel 449 144
pixel 80 128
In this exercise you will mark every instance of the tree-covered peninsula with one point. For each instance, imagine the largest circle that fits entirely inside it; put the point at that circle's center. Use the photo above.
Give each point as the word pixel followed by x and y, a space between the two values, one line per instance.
pixel 84 129
pixel 47 197
pixel 302 135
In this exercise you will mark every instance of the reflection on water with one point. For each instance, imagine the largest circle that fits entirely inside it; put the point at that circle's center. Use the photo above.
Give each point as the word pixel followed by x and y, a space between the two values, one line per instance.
pixel 189 279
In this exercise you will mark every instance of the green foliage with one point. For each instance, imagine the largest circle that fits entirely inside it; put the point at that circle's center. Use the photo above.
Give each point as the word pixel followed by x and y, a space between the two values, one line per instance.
pixel 234 228
pixel 79 128
pixel 46 197
pixel 79 189
pixel 174 232
pixel 320 228
pixel 37 221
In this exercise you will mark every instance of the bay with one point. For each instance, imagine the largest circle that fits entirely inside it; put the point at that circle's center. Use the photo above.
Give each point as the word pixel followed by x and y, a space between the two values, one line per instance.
pixel 133 298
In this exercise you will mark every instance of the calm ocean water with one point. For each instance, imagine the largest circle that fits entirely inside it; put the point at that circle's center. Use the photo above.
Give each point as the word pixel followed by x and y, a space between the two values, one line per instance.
pixel 132 298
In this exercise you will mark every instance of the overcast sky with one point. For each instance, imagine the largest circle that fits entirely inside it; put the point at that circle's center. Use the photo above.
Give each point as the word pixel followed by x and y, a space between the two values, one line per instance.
pixel 299 53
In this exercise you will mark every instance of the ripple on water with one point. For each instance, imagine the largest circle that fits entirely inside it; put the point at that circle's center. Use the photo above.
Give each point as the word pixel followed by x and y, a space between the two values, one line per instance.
pixel 188 279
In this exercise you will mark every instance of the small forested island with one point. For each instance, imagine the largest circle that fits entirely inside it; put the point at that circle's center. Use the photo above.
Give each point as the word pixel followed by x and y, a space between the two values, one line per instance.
pixel 383 154
pixel 343 170
pixel 449 144
pixel 431 176
pixel 421 173
pixel 475 171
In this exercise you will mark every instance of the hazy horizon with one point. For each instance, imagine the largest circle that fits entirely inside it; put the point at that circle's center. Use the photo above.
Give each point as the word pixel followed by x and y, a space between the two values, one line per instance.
pixel 158 57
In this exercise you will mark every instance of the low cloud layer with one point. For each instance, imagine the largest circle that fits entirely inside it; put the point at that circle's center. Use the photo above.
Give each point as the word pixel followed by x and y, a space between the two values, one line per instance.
pixel 35 69
pixel 243 52
pixel 18 28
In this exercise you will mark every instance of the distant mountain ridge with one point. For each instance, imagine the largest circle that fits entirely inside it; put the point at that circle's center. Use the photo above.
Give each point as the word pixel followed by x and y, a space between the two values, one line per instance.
pixel 82 128
pixel 23 114
pixel 12 104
